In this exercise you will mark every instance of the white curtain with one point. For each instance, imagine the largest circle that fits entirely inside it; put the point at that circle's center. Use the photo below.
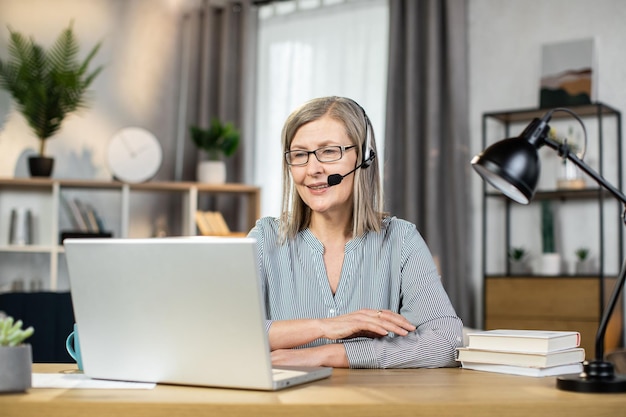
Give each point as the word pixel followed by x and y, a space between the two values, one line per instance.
pixel 332 49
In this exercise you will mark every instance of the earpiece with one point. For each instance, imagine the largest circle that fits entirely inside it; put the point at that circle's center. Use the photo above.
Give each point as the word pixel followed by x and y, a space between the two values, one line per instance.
pixel 367 151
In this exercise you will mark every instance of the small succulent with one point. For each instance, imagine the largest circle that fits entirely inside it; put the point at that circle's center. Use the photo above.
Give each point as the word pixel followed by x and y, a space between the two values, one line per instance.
pixel 517 254
pixel 11 333
pixel 582 253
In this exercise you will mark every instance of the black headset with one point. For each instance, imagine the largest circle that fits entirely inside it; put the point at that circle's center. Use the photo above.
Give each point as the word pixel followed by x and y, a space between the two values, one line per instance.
pixel 366 150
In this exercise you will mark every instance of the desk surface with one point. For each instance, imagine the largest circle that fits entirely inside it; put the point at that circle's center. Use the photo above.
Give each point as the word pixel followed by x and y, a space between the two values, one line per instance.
pixel 348 393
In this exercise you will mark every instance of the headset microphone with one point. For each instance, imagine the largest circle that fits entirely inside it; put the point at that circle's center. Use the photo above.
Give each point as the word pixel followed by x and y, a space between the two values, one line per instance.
pixel 335 179
pixel 367 151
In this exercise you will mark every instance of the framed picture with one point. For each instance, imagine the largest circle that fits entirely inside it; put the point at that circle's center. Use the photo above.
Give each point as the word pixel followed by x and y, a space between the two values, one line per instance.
pixel 567 73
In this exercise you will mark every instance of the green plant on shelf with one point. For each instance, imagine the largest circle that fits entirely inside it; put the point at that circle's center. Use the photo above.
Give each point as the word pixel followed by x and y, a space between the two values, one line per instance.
pixel 517 254
pixel 582 254
pixel 219 139
pixel 47 85
pixel 547 228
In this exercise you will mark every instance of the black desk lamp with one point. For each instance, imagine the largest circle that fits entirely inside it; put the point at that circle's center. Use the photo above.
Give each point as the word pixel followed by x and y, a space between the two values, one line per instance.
pixel 512 166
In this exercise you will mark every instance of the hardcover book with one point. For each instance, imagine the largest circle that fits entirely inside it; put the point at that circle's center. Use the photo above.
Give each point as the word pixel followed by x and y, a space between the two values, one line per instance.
pixel 534 360
pixel 528 341
pixel 573 368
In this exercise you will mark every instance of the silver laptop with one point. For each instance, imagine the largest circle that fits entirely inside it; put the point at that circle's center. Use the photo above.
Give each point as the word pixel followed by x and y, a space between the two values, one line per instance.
pixel 174 310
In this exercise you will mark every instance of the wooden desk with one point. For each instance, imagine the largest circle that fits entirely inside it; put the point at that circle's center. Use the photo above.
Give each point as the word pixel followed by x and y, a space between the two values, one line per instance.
pixel 348 393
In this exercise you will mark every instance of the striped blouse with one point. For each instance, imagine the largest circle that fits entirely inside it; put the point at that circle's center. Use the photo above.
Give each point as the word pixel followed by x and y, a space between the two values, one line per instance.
pixel 391 270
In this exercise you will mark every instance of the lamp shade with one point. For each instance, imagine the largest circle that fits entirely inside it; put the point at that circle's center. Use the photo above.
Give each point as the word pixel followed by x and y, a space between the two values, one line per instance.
pixel 512 166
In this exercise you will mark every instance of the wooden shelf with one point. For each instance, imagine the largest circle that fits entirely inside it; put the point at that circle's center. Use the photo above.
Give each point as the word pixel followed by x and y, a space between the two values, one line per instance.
pixel 580 194
pixel 46 195
pixel 567 301
pixel 526 115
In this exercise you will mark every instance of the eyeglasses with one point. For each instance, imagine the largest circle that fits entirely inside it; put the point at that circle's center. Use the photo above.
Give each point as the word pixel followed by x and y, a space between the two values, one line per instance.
pixel 325 154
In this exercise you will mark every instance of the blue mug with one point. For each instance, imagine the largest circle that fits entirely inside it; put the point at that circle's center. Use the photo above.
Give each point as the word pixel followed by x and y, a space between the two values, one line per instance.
pixel 72 344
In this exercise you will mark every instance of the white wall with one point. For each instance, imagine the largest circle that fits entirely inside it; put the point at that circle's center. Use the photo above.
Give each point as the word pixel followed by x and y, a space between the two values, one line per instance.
pixel 505 38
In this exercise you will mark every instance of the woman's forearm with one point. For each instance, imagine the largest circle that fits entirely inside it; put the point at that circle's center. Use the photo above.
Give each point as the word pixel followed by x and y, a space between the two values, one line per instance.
pixel 333 355
pixel 287 334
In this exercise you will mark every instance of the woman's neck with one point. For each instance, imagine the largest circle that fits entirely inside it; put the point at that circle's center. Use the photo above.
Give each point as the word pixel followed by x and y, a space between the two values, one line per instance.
pixel 331 227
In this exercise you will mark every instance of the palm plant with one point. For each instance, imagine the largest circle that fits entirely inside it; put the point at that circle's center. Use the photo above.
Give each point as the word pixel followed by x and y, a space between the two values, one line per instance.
pixel 47 85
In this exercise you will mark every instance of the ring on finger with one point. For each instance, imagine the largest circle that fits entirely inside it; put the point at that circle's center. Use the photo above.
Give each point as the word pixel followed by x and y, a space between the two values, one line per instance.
pixel 379 313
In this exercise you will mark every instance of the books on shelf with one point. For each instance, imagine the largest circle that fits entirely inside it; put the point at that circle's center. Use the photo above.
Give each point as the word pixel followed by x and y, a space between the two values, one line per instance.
pixel 535 360
pixel 211 223
pixel 572 368
pixel 528 341
pixel 83 216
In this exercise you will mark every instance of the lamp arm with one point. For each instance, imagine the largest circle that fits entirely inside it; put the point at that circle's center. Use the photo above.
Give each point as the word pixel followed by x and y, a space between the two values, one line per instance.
pixel 565 152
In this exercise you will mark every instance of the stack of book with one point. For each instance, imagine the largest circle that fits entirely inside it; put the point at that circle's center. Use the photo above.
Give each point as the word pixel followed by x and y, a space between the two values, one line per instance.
pixel 523 352
pixel 212 223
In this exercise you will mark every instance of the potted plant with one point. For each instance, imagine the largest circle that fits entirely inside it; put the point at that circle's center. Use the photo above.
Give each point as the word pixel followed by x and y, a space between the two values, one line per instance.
pixel 518 257
pixel 15 356
pixel 46 85
pixel 217 141
pixel 583 261
pixel 550 259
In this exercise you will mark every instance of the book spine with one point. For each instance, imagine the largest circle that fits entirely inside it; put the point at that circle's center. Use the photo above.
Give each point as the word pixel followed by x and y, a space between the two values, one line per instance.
pixel 75 216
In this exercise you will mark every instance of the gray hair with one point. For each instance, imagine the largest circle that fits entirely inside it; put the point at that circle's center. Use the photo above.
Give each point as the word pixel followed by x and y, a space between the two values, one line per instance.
pixel 367 194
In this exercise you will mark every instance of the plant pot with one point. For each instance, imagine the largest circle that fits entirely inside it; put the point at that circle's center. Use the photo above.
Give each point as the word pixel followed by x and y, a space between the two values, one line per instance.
pixel 212 172
pixel 519 267
pixel 585 267
pixel 16 367
pixel 550 264
pixel 40 166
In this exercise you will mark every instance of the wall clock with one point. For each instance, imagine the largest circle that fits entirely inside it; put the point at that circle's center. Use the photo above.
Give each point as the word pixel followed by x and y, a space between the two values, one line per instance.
pixel 134 155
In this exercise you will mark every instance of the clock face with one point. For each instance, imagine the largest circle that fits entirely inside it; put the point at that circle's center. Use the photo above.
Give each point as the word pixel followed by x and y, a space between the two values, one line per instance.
pixel 134 155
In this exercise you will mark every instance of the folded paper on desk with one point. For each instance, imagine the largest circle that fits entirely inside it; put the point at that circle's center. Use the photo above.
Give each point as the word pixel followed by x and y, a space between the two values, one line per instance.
pixel 528 341
pixel 84 382
pixel 572 368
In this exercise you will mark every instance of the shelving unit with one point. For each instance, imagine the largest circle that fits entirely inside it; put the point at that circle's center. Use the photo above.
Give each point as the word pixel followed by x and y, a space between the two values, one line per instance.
pixel 44 259
pixel 515 300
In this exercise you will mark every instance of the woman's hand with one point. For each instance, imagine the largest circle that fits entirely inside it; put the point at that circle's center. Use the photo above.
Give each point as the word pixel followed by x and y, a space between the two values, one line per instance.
pixel 286 334
pixel 366 323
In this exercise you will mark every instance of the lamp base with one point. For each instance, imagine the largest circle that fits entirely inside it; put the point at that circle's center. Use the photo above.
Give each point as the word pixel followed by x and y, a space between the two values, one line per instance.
pixel 597 376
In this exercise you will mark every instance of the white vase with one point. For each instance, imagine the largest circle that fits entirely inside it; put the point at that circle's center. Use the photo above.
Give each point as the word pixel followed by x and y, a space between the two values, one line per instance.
pixel 550 264
pixel 212 172
pixel 15 368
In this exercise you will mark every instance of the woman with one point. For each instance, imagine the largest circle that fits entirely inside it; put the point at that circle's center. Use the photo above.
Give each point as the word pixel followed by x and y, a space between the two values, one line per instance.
pixel 346 285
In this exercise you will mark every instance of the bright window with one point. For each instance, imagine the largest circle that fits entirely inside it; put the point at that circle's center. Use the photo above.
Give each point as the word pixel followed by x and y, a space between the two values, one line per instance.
pixel 312 49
